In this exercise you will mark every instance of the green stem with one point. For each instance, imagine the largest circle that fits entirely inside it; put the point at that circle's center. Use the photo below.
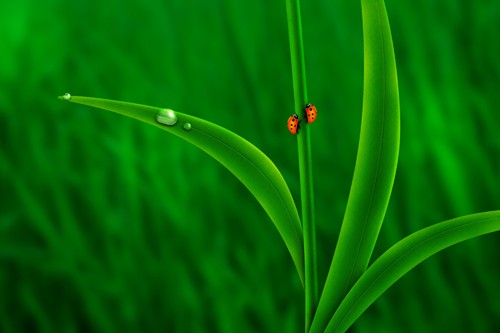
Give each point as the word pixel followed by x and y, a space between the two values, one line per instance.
pixel 304 152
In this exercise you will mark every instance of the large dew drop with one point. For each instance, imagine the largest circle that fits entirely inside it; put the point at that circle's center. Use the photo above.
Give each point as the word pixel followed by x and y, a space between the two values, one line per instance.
pixel 66 96
pixel 166 117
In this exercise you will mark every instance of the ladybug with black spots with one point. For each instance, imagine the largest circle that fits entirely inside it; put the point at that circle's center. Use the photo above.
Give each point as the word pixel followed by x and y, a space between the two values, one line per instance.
pixel 293 123
pixel 311 112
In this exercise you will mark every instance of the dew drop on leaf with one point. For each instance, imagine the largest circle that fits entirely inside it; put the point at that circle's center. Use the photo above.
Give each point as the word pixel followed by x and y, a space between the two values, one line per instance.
pixel 166 117
pixel 66 96
pixel 187 126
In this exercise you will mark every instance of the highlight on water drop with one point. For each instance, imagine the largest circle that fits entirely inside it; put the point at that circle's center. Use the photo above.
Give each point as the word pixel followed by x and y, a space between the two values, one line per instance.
pixel 166 117
pixel 187 126
pixel 66 96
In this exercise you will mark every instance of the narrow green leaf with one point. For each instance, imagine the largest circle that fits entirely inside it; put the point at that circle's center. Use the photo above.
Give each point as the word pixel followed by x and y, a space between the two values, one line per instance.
pixel 305 158
pixel 403 256
pixel 375 163
pixel 250 165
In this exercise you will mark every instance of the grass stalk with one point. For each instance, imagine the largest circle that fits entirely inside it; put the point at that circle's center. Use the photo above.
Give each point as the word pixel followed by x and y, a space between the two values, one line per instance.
pixel 304 154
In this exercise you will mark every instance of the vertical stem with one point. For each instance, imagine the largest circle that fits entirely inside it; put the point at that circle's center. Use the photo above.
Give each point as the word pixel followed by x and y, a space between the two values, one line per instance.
pixel 304 153
pixel 308 225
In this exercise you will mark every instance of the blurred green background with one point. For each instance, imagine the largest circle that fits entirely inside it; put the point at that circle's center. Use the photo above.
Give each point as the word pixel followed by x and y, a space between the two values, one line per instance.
pixel 111 225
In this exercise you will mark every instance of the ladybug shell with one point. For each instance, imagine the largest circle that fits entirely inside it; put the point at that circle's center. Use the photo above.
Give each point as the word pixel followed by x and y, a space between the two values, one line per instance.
pixel 311 112
pixel 293 123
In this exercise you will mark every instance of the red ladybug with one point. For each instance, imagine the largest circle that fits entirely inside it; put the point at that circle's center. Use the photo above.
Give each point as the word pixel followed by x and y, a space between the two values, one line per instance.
pixel 293 123
pixel 311 112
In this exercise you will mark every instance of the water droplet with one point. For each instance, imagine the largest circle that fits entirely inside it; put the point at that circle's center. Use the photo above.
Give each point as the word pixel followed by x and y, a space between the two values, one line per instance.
pixel 187 126
pixel 66 97
pixel 166 117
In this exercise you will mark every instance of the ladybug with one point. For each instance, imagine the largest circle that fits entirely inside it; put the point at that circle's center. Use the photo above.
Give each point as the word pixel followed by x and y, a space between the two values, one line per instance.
pixel 311 112
pixel 293 123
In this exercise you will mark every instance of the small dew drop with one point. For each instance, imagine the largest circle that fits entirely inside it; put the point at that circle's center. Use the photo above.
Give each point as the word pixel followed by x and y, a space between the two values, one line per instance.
pixel 66 96
pixel 187 126
pixel 166 117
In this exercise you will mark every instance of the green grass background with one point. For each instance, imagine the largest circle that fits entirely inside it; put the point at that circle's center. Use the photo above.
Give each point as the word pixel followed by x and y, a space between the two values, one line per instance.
pixel 111 225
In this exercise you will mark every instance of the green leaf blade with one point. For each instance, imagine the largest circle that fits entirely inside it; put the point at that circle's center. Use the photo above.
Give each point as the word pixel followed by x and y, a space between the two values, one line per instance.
pixel 250 165
pixel 405 255
pixel 376 163
pixel 299 82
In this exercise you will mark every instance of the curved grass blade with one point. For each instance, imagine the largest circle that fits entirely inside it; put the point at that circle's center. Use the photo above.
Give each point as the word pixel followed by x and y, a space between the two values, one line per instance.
pixel 403 256
pixel 250 165
pixel 375 163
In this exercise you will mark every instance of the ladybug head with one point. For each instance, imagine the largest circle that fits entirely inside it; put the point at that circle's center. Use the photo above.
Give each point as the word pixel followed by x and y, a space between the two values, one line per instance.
pixel 308 105
pixel 296 116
